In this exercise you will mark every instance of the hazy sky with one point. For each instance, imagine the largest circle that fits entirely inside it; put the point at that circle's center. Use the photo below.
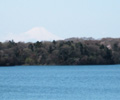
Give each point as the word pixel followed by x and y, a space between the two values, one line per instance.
pixel 55 19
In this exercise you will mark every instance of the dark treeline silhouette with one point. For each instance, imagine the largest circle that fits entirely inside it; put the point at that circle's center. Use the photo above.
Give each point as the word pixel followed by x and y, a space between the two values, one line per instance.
pixel 73 51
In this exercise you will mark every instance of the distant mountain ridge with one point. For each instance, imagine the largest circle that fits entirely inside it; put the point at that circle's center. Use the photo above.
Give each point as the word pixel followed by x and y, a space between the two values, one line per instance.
pixel 75 39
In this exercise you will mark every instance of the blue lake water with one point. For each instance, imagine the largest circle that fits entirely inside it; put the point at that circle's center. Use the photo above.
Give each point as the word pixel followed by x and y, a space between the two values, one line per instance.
pixel 60 83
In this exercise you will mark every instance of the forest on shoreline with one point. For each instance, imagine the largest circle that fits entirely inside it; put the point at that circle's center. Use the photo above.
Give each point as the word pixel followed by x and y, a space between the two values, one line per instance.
pixel 72 51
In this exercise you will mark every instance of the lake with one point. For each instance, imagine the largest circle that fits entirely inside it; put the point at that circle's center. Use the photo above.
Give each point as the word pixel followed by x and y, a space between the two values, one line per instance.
pixel 60 82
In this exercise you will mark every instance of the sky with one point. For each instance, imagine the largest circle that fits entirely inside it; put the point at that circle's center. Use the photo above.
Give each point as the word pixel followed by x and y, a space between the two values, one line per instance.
pixel 36 20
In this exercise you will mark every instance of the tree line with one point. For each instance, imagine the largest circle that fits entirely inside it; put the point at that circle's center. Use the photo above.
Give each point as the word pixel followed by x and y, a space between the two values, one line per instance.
pixel 64 52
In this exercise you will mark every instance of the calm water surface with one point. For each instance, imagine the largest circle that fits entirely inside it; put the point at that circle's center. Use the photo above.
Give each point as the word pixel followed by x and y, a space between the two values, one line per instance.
pixel 60 83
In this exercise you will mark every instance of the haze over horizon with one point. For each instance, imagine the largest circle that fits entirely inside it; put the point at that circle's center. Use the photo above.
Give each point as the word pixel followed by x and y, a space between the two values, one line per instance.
pixel 23 20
